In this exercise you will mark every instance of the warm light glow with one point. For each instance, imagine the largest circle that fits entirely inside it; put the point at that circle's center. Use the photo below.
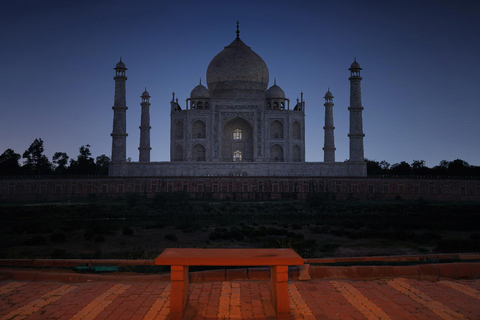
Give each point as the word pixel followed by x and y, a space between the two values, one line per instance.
pixel 237 134
pixel 237 155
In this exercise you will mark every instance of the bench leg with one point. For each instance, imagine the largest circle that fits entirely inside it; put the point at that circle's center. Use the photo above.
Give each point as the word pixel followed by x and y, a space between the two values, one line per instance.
pixel 279 291
pixel 179 292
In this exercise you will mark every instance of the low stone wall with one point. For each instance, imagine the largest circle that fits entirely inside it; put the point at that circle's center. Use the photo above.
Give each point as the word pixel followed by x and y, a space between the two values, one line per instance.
pixel 228 169
pixel 242 188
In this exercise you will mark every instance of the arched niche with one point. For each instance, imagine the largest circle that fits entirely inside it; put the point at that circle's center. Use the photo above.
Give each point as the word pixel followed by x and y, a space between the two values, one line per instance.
pixel 296 130
pixel 237 135
pixel 178 153
pixel 198 153
pixel 276 153
pixel 276 130
pixel 199 130
pixel 296 154
pixel 178 130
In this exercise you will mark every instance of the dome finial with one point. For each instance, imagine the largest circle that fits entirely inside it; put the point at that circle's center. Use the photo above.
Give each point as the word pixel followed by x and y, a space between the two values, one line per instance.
pixel 274 81
pixel 200 80
pixel 238 31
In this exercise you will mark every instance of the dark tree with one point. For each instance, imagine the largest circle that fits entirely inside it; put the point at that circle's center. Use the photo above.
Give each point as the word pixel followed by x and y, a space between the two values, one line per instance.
pixel 60 160
pixel 419 168
pixel 401 169
pixel 459 167
pixel 84 164
pixel 36 162
pixel 9 163
pixel 102 164
pixel 373 168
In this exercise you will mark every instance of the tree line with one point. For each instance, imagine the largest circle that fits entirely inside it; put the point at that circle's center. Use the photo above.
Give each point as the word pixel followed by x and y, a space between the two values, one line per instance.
pixel 36 163
pixel 455 168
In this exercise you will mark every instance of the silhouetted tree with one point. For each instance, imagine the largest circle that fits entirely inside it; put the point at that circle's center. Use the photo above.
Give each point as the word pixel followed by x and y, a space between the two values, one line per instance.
pixel 385 166
pixel 458 167
pixel 9 163
pixel 419 168
pixel 102 162
pixel 373 168
pixel 36 162
pixel 401 169
pixel 60 160
pixel 84 164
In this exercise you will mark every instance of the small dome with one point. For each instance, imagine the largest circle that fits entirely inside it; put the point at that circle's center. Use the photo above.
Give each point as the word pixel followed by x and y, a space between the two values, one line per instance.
pixel 355 65
pixel 145 94
pixel 120 65
pixel 328 95
pixel 275 92
pixel 200 92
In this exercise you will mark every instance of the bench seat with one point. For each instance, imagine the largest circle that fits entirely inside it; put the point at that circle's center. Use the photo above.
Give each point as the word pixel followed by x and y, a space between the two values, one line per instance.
pixel 277 259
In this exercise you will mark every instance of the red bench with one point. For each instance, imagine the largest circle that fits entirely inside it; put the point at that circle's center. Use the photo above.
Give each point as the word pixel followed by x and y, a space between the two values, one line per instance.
pixel 277 259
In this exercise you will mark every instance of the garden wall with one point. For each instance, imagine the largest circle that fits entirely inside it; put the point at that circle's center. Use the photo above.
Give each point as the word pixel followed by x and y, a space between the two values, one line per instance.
pixel 241 188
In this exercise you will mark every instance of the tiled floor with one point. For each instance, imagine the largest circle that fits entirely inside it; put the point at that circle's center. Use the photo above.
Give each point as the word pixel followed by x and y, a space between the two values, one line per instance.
pixel 327 299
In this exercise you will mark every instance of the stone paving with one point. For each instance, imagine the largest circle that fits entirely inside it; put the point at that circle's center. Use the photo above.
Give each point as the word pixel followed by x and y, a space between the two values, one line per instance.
pixel 396 298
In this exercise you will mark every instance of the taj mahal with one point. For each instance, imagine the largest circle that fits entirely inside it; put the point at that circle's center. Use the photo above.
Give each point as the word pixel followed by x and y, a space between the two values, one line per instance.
pixel 237 126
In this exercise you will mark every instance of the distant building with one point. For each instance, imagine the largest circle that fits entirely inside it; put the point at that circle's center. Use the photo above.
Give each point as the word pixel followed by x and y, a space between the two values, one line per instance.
pixel 236 127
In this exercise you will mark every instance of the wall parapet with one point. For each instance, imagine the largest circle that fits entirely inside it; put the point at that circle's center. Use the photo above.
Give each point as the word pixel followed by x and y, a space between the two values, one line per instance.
pixel 242 188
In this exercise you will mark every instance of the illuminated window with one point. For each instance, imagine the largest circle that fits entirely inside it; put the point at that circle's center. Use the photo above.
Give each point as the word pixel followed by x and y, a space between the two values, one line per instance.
pixel 237 134
pixel 237 155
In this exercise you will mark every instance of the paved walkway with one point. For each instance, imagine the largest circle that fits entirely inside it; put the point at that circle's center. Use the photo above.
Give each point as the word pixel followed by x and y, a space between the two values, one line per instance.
pixel 327 299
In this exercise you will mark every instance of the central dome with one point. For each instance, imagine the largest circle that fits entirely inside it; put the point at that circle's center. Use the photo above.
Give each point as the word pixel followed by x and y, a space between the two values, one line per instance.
pixel 237 67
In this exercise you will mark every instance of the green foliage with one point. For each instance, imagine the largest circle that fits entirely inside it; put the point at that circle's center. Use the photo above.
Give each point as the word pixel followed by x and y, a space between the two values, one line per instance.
pixel 36 162
pixel 99 238
pixel 304 247
pixel 127 231
pixel 84 164
pixel 88 234
pixel 9 163
pixel 58 237
pixel 458 245
pixel 60 160
pixel 458 168
pixel 170 237
pixel 102 162
pixel 59 253
pixel 35 241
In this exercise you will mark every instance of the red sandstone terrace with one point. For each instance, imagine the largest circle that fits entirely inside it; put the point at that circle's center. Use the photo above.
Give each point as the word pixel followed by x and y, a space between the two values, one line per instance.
pixel 181 259
pixel 437 290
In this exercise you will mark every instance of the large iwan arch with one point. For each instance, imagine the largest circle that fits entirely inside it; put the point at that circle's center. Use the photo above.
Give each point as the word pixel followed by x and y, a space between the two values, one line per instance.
pixel 237 136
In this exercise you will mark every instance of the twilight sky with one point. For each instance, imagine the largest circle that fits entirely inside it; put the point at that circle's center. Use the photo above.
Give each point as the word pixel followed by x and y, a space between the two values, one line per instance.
pixel 420 60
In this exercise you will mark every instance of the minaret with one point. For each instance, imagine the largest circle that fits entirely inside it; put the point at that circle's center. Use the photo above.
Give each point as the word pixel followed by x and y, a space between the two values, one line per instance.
pixel 119 134
pixel 145 148
pixel 356 127
pixel 329 144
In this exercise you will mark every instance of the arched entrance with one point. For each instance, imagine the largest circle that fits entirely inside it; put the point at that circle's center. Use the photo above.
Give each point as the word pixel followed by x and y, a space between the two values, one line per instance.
pixel 237 140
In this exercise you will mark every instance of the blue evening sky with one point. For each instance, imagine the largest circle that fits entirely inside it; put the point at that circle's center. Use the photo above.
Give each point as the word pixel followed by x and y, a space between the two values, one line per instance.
pixel 420 60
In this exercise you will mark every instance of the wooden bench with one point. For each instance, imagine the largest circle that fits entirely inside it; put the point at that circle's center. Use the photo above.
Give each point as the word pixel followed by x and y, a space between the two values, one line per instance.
pixel 277 259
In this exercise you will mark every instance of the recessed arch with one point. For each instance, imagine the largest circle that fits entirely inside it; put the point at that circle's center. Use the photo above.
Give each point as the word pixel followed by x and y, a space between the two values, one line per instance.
pixel 276 130
pixel 178 130
pixel 276 153
pixel 296 154
pixel 232 142
pixel 296 130
pixel 178 153
pixel 198 153
pixel 199 130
